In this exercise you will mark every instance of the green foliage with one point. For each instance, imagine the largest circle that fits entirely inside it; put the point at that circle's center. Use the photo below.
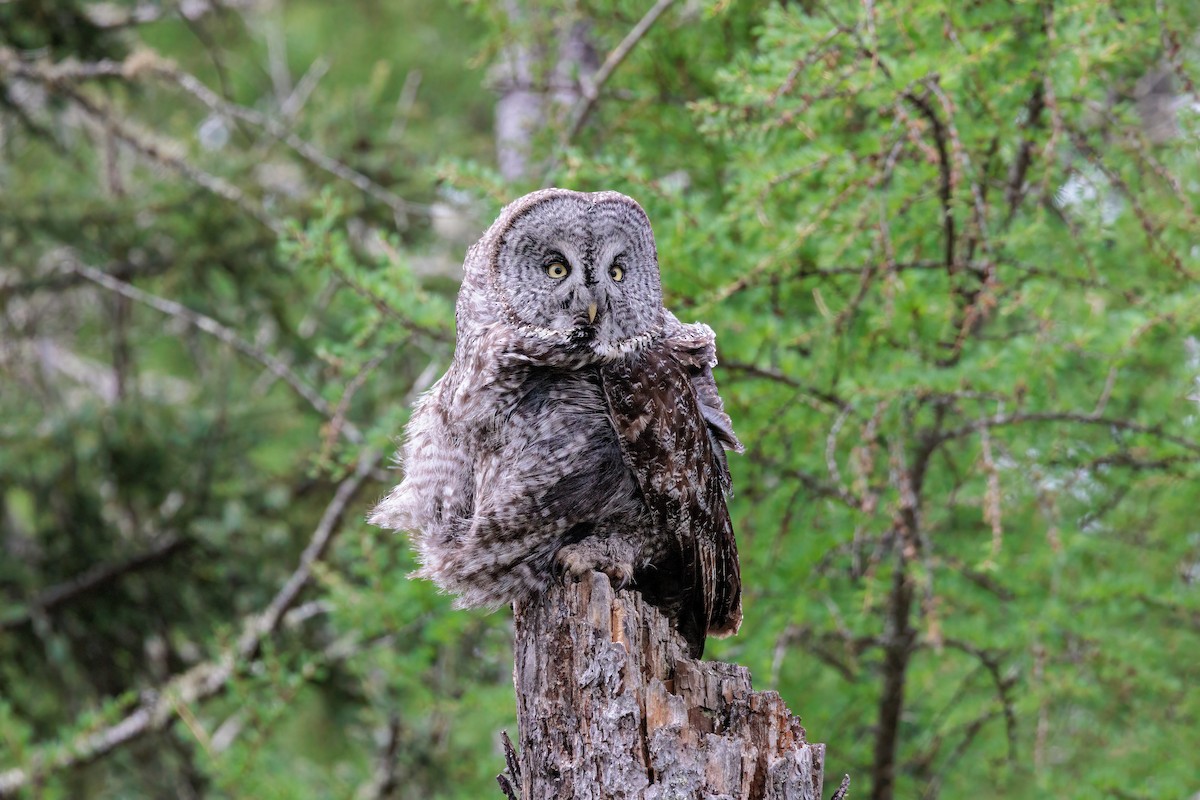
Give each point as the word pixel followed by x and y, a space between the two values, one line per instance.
pixel 867 359
pixel 948 251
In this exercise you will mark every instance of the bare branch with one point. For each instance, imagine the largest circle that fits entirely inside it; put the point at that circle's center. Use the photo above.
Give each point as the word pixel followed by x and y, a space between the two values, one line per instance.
pixel 591 88
pixel 159 153
pixel 383 782
pixel 213 328
pixel 766 373
pixel 257 629
pixel 295 101
pixel 276 129
pixel 991 662
pixel 95 578
pixel 143 62
pixel 1001 420
pixel 157 709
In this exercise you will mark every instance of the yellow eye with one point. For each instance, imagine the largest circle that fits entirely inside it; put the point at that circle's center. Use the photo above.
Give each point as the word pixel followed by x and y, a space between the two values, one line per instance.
pixel 557 270
pixel 617 273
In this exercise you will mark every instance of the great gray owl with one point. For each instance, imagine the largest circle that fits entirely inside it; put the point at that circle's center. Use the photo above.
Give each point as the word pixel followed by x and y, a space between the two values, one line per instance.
pixel 578 427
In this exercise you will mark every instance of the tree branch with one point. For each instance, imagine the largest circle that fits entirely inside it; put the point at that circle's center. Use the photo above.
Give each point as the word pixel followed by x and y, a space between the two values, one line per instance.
pixel 157 708
pixel 898 642
pixel 1000 420
pixel 945 185
pixel 149 63
pixel 591 88
pixel 217 330
pixel 991 663
pixel 384 780
pixel 1015 186
pixel 766 373
pixel 97 577
pixel 159 153
pixel 268 621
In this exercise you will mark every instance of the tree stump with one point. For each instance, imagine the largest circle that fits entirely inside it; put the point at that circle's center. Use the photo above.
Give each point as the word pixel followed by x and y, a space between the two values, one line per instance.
pixel 610 706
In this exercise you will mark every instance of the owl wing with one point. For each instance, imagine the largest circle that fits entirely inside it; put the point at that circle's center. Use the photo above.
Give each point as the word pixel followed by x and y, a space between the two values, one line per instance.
pixel 695 346
pixel 433 503
pixel 669 444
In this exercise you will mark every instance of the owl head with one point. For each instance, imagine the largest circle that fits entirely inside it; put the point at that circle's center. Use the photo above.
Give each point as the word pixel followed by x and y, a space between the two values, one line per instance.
pixel 576 268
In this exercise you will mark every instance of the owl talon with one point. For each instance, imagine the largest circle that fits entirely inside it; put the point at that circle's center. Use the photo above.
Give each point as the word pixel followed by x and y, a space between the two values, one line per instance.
pixel 578 560
pixel 571 564
pixel 620 575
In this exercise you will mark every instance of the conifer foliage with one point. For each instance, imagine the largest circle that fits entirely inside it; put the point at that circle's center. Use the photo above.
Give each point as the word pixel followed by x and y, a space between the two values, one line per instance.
pixel 950 253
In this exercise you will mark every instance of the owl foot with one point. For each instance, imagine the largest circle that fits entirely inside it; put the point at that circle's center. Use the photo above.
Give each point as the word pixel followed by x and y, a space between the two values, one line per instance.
pixel 575 561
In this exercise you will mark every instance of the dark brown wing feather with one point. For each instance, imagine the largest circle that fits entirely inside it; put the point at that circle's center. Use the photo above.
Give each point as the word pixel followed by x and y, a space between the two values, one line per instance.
pixel 681 471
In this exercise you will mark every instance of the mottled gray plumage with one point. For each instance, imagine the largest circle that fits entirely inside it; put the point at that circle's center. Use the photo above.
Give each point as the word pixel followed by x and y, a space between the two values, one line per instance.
pixel 578 427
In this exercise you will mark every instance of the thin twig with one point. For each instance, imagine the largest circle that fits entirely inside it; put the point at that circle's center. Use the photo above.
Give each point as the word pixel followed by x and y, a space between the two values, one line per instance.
pixel 158 153
pixel 148 63
pixel 258 628
pixel 98 576
pixel 1106 392
pixel 818 487
pixel 338 420
pixel 992 496
pixel 991 662
pixel 384 780
pixel 767 373
pixel 213 328
pixel 591 88
pixel 404 105
pixel 1000 420
pixel 384 307
pixel 511 777
pixel 1152 228
pixel 295 101
pixel 158 708
pixel 278 130
pixel 831 464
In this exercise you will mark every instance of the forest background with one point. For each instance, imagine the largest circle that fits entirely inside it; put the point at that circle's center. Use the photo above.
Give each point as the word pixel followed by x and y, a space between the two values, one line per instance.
pixel 950 253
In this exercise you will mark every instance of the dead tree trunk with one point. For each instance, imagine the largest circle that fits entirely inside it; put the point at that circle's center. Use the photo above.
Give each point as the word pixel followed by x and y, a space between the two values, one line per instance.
pixel 610 706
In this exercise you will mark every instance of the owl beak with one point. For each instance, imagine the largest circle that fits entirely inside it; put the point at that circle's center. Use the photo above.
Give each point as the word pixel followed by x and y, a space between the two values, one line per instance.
pixel 591 313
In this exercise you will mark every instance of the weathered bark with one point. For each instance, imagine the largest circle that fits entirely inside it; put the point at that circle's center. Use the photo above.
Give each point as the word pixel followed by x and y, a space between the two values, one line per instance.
pixel 610 706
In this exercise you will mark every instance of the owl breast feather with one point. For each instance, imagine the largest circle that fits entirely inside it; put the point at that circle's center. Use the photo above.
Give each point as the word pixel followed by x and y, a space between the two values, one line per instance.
pixel 622 463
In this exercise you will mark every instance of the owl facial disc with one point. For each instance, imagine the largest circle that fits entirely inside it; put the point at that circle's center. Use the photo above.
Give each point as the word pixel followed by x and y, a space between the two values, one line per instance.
pixel 581 269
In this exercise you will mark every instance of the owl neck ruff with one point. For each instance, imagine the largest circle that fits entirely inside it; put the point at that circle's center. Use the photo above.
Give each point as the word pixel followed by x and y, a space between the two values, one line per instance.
pixel 579 341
